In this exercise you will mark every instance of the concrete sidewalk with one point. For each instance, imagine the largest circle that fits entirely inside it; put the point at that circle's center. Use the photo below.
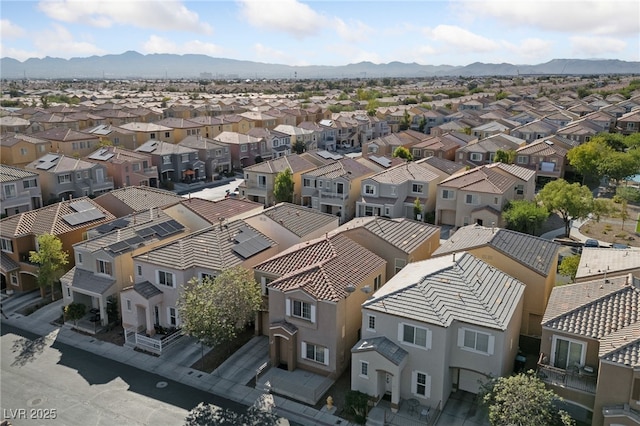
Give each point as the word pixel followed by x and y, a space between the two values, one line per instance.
pixel 229 380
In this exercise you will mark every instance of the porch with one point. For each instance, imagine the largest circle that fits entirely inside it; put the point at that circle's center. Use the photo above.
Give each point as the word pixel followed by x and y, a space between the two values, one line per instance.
pixel 578 380
pixel 409 414
pixel 156 344
pixel 90 323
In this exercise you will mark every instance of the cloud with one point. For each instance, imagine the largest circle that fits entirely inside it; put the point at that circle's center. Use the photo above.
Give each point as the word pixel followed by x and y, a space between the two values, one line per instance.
pixel 463 41
pixel 17 54
pixel 530 48
pixel 596 46
pixel 58 41
pixel 10 30
pixel 159 15
pixel 354 31
pixel 600 17
pixel 289 16
pixel 157 44
pixel 270 55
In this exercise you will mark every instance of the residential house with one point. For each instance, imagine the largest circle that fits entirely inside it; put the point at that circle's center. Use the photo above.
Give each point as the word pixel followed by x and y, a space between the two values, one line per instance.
pixel 104 262
pixel 69 142
pixel 309 138
pixel 64 177
pixel 198 213
pixel 238 123
pixel 69 220
pixel 441 146
pixel 131 199
pixel 438 326
pixel 335 187
pixel 582 130
pixel 175 163
pixel 215 155
pixel 589 349
pixel 161 272
pixel 479 195
pixel 12 124
pixel 126 167
pixel 547 159
pixel 384 145
pixel 326 133
pixel 259 179
pixel 393 192
pixel 260 119
pixel 149 132
pixel 116 136
pixel 629 123
pixel 536 129
pixel 314 297
pixel 21 190
pixel 18 150
pixel 425 118
pixel 43 121
pixel 277 144
pixel 484 151
pixel 244 149
pixel 182 128
pixel 212 126
pixel 494 127
pixel 602 263
pixel 529 259
pixel 398 241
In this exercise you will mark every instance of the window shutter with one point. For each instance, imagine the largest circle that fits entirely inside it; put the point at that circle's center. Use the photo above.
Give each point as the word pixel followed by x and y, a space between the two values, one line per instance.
pixel 492 342
pixel 313 313
pixel 461 337
pixel 326 356
pixel 400 337
pixel 414 382
pixel 427 385
pixel 429 339
pixel 304 350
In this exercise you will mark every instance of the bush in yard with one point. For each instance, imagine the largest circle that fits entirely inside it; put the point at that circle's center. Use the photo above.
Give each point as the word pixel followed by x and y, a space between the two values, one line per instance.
pixel 75 311
pixel 356 403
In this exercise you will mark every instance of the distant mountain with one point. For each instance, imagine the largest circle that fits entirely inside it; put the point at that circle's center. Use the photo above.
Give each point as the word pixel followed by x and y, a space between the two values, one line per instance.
pixel 135 65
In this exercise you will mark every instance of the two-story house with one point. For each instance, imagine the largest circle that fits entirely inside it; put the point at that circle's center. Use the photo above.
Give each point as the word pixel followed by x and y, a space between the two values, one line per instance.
pixel 335 187
pixel 104 261
pixel 629 123
pixel 438 326
pixel 277 144
pixel 182 128
pixel 126 167
pixel 589 349
pixel 21 190
pixel 18 150
pixel 243 148
pixel 63 177
pixel 116 136
pixel 69 142
pixel 530 259
pixel 175 163
pixel 545 157
pixel 484 151
pixel 215 155
pixel 69 220
pixel 392 192
pixel 479 195
pixel 149 132
pixel 131 199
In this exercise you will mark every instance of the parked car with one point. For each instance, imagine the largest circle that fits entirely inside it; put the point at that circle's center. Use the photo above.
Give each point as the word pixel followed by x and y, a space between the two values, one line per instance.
pixel 620 246
pixel 591 243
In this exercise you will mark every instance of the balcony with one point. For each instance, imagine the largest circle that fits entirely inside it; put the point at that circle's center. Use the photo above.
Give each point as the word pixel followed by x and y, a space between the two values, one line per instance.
pixel 104 185
pixel 623 410
pixel 577 379
pixel 333 195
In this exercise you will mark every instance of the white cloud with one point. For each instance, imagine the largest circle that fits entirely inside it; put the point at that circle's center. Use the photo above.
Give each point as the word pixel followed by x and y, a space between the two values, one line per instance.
pixel 354 31
pixel 157 44
pixel 597 46
pixel 602 17
pixel 289 16
pixel 160 15
pixel 17 54
pixel 460 39
pixel 58 41
pixel 10 30
pixel 270 55
pixel 530 48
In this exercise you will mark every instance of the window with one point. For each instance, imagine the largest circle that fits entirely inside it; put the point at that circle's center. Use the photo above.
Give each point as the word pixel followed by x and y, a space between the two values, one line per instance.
pixel 520 189
pixel 475 156
pixel 135 167
pixel 371 322
pixel 167 135
pixel 205 276
pixel 522 159
pixel 66 178
pixel 262 181
pixel 80 258
pixel 103 267
pixel 306 183
pixel 166 159
pixel 399 264
pixel 173 316
pixel 377 282
pixel 116 141
pixel 340 188
pixel 243 147
pixel 139 270
pixel 68 291
pixel 475 341
pixel 414 335
pixel 448 194
pixel 421 384
pixel 10 190
pixel 320 183
pixel 635 393
pixel 23 151
pixel 315 353
pixel 417 188
pixel 14 279
pixel 185 158
pixel 495 200
pixel 301 309
pixel 471 199
pixel 369 189
pixel 567 353
pixel 129 305
pixel 30 183
pixel 364 369
pixel 152 136
pixel 165 278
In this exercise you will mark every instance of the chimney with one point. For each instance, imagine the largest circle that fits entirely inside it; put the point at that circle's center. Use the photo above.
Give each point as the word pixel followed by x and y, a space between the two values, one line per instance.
pixel 493 229
pixel 454 258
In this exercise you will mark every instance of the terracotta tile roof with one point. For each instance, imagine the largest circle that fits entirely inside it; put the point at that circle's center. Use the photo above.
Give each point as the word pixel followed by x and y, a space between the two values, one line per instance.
pixel 139 198
pixel 410 171
pixel 479 179
pixel 10 173
pixel 226 208
pixel 346 168
pixel 49 220
pixel 323 267
pixel 299 220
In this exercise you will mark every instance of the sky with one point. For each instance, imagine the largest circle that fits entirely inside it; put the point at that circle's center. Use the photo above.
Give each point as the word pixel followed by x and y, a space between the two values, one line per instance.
pixel 294 32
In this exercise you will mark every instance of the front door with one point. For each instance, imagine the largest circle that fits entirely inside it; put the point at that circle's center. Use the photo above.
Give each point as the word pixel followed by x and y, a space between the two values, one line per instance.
pixel 388 383
pixel 156 313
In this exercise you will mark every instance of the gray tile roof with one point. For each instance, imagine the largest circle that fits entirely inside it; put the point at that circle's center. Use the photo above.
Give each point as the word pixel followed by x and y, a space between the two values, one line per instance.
pixel 597 261
pixel 299 220
pixel 446 166
pixel 7 264
pixel 146 289
pixel 479 179
pixel 10 174
pixel 226 208
pixel 139 198
pixel 534 252
pixel 87 280
pixel 406 172
pixel 384 347
pixel 439 291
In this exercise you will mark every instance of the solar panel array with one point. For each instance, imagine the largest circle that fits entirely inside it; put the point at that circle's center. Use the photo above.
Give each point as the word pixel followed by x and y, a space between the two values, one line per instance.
pixel 115 224
pixel 102 154
pixel 47 161
pixel 81 217
pixel 160 229
pixel 249 243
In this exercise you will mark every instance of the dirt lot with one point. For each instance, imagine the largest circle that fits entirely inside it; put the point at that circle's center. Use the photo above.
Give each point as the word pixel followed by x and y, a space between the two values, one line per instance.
pixel 611 230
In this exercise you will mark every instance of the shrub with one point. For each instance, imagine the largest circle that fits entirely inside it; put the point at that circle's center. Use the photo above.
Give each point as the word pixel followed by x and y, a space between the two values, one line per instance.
pixel 628 193
pixel 356 403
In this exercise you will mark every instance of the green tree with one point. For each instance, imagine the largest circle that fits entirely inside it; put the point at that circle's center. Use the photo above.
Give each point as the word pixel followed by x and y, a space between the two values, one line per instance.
pixel 299 147
pixel 569 266
pixel 74 311
pixel 586 158
pixel 215 310
pixel 506 157
pixel 406 120
pixel 619 165
pixel 210 415
pixel 417 209
pixel 283 186
pixel 50 259
pixel 522 400
pixel 402 152
pixel 570 201
pixel 524 216
pixel 421 124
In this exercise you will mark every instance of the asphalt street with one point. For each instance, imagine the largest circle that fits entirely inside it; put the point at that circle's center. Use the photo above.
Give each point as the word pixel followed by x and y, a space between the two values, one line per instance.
pixel 45 382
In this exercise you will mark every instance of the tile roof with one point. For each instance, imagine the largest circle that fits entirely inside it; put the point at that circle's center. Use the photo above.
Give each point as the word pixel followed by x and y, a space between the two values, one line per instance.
pixel 384 347
pixel 516 171
pixel 163 148
pixel 605 310
pixel 439 291
pixel 49 220
pixel 446 166
pixel 346 168
pixel 146 289
pixel 409 171
pixel 7 264
pixel 10 173
pixel 10 139
pixel 300 220
pixel 139 198
pixel 534 252
pixel 87 280
pixel 61 163
pixel 323 267
pixel 598 261
pixel 293 162
pixel 225 208
pixel 479 179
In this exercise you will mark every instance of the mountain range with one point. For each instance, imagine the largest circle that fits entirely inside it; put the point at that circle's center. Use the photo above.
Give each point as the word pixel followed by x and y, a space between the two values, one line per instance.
pixel 133 65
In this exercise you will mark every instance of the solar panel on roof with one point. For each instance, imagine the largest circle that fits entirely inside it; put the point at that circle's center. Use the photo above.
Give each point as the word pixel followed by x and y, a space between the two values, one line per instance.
pixel 120 223
pixel 102 154
pixel 250 243
pixel 119 247
pixel 45 166
pixel 134 241
pixel 145 232
pixel 79 218
pixel 103 229
pixel 81 206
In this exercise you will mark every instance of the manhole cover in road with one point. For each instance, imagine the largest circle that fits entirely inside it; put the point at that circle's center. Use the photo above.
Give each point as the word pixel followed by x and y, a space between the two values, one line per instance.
pixel 34 402
pixel 161 385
